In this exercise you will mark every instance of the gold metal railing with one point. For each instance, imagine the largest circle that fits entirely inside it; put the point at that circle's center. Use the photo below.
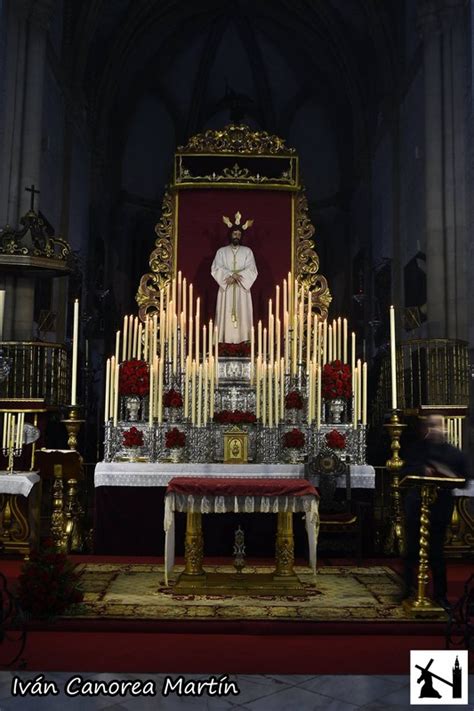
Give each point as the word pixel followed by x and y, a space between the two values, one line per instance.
pixel 430 373
pixel 38 372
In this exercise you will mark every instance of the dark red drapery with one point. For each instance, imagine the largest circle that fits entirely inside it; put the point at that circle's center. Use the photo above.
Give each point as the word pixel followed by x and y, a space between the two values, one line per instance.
pixel 200 232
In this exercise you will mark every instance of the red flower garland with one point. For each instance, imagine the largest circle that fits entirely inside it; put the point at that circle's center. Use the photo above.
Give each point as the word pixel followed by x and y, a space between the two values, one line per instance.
pixel 294 438
pixel 234 350
pixel 132 438
pixel 175 438
pixel 337 380
pixel 134 378
pixel 294 400
pixel 173 398
pixel 336 440
pixel 234 417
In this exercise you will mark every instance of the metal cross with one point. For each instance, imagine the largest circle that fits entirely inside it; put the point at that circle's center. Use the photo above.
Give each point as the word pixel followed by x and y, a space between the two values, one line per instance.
pixel 33 192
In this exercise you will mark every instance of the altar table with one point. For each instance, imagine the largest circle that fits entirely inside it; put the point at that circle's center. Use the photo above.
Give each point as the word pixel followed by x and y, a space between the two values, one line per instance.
pixel 198 495
pixel 129 506
pixel 20 500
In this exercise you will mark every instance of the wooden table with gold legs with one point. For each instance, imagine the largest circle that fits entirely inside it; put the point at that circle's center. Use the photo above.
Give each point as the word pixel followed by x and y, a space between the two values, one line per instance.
pixel 20 501
pixel 283 579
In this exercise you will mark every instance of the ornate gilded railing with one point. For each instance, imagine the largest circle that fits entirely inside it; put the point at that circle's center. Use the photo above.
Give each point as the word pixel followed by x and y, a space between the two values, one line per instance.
pixel 430 373
pixel 38 372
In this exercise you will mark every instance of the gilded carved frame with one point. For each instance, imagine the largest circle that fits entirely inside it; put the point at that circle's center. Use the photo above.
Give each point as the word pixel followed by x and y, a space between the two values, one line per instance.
pixel 231 143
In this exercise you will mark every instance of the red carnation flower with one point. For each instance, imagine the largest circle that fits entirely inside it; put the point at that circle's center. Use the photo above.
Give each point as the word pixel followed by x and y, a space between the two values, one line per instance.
pixel 173 398
pixel 132 438
pixel 134 378
pixel 175 438
pixel 336 440
pixel 294 439
pixel 294 400
pixel 336 381
pixel 234 417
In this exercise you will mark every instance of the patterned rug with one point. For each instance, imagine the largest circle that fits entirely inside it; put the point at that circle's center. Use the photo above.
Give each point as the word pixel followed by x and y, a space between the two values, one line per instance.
pixel 337 593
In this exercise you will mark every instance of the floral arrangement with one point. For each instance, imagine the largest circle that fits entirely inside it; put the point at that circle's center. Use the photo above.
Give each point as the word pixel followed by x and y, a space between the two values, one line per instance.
pixel 336 440
pixel 132 438
pixel 173 398
pixel 234 417
pixel 235 350
pixel 337 380
pixel 294 400
pixel 134 378
pixel 48 583
pixel 293 439
pixel 175 438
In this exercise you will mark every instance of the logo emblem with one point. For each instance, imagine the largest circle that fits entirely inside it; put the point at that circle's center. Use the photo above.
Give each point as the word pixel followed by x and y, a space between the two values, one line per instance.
pixel 438 677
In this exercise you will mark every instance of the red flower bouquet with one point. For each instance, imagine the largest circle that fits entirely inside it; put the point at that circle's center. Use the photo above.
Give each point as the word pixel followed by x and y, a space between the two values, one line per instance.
pixel 175 438
pixel 294 439
pixel 337 380
pixel 294 400
pixel 234 417
pixel 134 378
pixel 132 438
pixel 48 583
pixel 336 440
pixel 234 350
pixel 173 398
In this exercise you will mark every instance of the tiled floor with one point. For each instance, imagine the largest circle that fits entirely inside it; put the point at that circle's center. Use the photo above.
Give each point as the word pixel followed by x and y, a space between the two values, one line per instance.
pixel 257 692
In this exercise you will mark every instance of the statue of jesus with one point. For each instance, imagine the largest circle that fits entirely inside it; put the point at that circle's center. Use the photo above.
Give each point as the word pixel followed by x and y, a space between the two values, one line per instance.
pixel 235 271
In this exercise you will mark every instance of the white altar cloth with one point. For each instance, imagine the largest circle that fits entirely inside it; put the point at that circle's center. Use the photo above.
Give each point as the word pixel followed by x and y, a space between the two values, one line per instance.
pixel 161 473
pixel 19 483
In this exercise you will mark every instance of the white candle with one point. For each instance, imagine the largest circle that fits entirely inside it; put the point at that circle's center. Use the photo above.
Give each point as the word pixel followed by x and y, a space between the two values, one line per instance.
pixel 150 398
pixel 393 362
pixel 186 388
pixel 364 394
pixel 107 390
pixel 318 404
pixel 359 389
pixel 2 312
pixel 116 393
pixel 199 404
pixel 355 405
pixel 206 392
pixel 193 393
pixel 75 344
pixel 4 433
pixel 344 341
pixel 252 353
pixel 124 343
pixel 216 357
pixel 270 395
pixel 211 387
pixel 257 394
pixel 211 331
pixel 198 327
pixel 160 391
pixel 325 340
pixel 339 338
pixel 330 343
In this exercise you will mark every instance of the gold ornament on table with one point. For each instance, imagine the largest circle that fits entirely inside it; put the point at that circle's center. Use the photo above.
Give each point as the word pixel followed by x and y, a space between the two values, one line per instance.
pixel 235 446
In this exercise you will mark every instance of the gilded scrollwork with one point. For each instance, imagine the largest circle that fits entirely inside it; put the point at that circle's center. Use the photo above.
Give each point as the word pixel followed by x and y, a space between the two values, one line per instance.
pixel 236 139
pixel 33 239
pixel 306 258
pixel 161 261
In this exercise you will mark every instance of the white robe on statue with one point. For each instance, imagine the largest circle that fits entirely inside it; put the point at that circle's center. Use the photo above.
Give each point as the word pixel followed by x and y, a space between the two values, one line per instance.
pixel 234 311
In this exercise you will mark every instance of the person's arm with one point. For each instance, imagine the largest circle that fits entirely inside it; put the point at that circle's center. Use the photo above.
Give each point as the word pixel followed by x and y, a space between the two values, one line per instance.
pixel 248 273
pixel 220 272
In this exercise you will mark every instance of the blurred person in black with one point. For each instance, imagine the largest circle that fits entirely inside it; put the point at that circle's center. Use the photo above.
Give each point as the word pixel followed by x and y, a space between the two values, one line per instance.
pixel 430 454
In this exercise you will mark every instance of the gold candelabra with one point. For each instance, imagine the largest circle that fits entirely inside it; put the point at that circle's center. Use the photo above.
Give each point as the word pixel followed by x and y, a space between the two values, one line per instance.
pixel 396 539
pixel 73 424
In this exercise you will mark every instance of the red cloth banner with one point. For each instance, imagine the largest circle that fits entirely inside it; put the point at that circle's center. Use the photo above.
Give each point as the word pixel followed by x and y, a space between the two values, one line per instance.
pixel 200 233
pixel 216 486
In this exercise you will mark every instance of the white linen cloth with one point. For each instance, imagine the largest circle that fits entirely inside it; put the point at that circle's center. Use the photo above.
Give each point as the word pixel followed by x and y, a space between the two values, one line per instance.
pixel 309 505
pixel 234 311
pixel 20 483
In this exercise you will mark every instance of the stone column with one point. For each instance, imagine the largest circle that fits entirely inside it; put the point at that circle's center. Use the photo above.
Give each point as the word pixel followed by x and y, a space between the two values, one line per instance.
pixel 443 29
pixel 15 57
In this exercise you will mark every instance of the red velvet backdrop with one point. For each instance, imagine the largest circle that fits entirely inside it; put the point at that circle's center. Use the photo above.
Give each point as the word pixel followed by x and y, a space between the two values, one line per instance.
pixel 201 232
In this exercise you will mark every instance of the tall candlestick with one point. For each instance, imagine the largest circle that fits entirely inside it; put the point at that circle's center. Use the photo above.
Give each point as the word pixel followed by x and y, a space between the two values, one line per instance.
pixel 270 394
pixel 193 393
pixel 198 327
pixel 257 393
pixel 393 362
pixel 199 403
pixel 259 331
pixel 339 338
pixel 151 398
pixel 325 341
pixel 318 404
pixel 355 405
pixel 75 345
pixel 205 376
pixel 330 343
pixel 359 389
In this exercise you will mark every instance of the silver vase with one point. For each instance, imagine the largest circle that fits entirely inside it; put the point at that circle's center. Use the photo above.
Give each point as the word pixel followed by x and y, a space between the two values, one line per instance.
pixel 336 410
pixel 175 454
pixel 294 455
pixel 133 405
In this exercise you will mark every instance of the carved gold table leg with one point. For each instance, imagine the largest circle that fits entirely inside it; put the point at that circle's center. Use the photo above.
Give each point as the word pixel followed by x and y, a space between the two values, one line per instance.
pixel 58 524
pixel 15 528
pixel 422 605
pixel 285 548
pixel 193 545
pixel 73 515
